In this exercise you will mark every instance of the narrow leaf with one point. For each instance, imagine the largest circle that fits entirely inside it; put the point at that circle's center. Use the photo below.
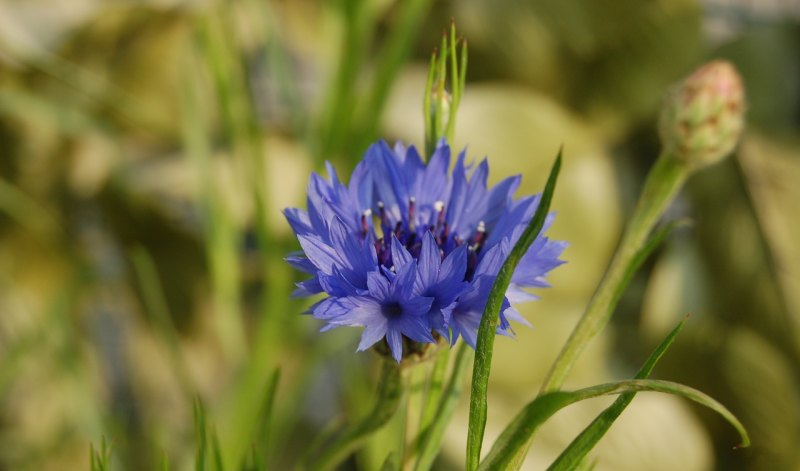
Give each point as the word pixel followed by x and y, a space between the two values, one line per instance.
pixel 572 456
pixel 200 433
pixel 505 452
pixel 390 464
pixel 489 321
pixel 262 436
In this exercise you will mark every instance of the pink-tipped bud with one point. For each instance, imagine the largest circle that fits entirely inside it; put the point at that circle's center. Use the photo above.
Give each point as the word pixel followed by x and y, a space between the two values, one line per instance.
pixel 702 118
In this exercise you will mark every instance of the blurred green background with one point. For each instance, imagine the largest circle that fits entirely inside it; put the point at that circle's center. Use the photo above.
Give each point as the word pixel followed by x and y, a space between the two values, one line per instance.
pixel 147 147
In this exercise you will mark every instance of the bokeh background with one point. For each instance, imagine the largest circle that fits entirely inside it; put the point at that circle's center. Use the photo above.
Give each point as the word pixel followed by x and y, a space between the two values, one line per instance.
pixel 147 147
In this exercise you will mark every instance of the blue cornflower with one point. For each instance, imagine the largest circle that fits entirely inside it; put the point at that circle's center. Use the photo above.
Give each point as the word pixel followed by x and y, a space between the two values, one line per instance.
pixel 412 250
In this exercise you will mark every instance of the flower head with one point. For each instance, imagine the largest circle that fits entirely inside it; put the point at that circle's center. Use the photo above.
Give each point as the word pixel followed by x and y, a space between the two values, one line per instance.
pixel 703 117
pixel 409 250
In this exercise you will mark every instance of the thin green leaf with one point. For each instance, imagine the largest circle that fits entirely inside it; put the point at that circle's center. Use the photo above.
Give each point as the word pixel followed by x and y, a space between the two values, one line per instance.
pixel 218 465
pixel 505 453
pixel 427 109
pixel 391 463
pixel 349 438
pixel 93 459
pixel 574 454
pixel 100 460
pixel 431 438
pixel 262 437
pixel 158 312
pixel 200 433
pixel 489 321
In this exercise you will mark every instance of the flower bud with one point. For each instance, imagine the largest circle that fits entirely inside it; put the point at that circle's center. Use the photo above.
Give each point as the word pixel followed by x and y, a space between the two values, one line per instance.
pixel 702 118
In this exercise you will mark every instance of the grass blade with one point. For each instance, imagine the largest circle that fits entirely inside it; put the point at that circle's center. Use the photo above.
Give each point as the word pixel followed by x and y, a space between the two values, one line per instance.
pixel 574 454
pixel 505 453
pixel 200 432
pixel 486 332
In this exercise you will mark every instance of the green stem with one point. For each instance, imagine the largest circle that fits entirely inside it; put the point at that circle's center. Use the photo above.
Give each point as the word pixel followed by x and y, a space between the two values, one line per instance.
pixel 478 402
pixel 435 385
pixel 349 438
pixel 414 404
pixel 663 183
pixel 431 439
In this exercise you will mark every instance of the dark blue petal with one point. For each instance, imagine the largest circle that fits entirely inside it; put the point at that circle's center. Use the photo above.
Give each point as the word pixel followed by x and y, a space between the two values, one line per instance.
pixel 493 259
pixel 372 334
pixel 402 286
pixel 395 340
pixel 400 256
pixel 414 327
pixel 378 286
pixel 429 262
pixel 298 220
pixel 307 288
pixel 454 266
pixel 323 256
pixel 300 262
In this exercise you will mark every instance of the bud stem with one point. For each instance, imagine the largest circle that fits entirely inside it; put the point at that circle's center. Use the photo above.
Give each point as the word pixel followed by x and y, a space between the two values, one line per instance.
pixel 663 182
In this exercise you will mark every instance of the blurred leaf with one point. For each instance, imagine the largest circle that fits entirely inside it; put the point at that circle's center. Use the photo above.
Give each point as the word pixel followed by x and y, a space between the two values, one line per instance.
pixel 101 459
pixel 347 439
pixel 391 463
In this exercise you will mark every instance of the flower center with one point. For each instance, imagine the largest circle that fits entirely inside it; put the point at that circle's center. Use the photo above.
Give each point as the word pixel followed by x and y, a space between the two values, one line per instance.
pixel 409 232
pixel 392 310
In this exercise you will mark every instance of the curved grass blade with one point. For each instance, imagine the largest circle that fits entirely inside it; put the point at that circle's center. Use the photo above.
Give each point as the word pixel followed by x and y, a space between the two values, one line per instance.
pixel 574 454
pixel 486 332
pixel 505 453
pixel 349 438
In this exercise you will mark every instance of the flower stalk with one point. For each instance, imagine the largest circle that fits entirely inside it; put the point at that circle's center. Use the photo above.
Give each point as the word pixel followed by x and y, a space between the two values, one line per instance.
pixel 700 123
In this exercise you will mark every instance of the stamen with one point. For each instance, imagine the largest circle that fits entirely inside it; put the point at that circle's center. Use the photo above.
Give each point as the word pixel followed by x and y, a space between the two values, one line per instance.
pixel 472 262
pixel 411 212
pixel 439 207
pixel 365 217
pixel 480 235
pixel 382 212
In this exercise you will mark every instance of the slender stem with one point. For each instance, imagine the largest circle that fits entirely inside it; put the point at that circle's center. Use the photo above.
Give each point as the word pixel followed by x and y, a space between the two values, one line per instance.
pixel 416 391
pixel 435 386
pixel 431 439
pixel 663 183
